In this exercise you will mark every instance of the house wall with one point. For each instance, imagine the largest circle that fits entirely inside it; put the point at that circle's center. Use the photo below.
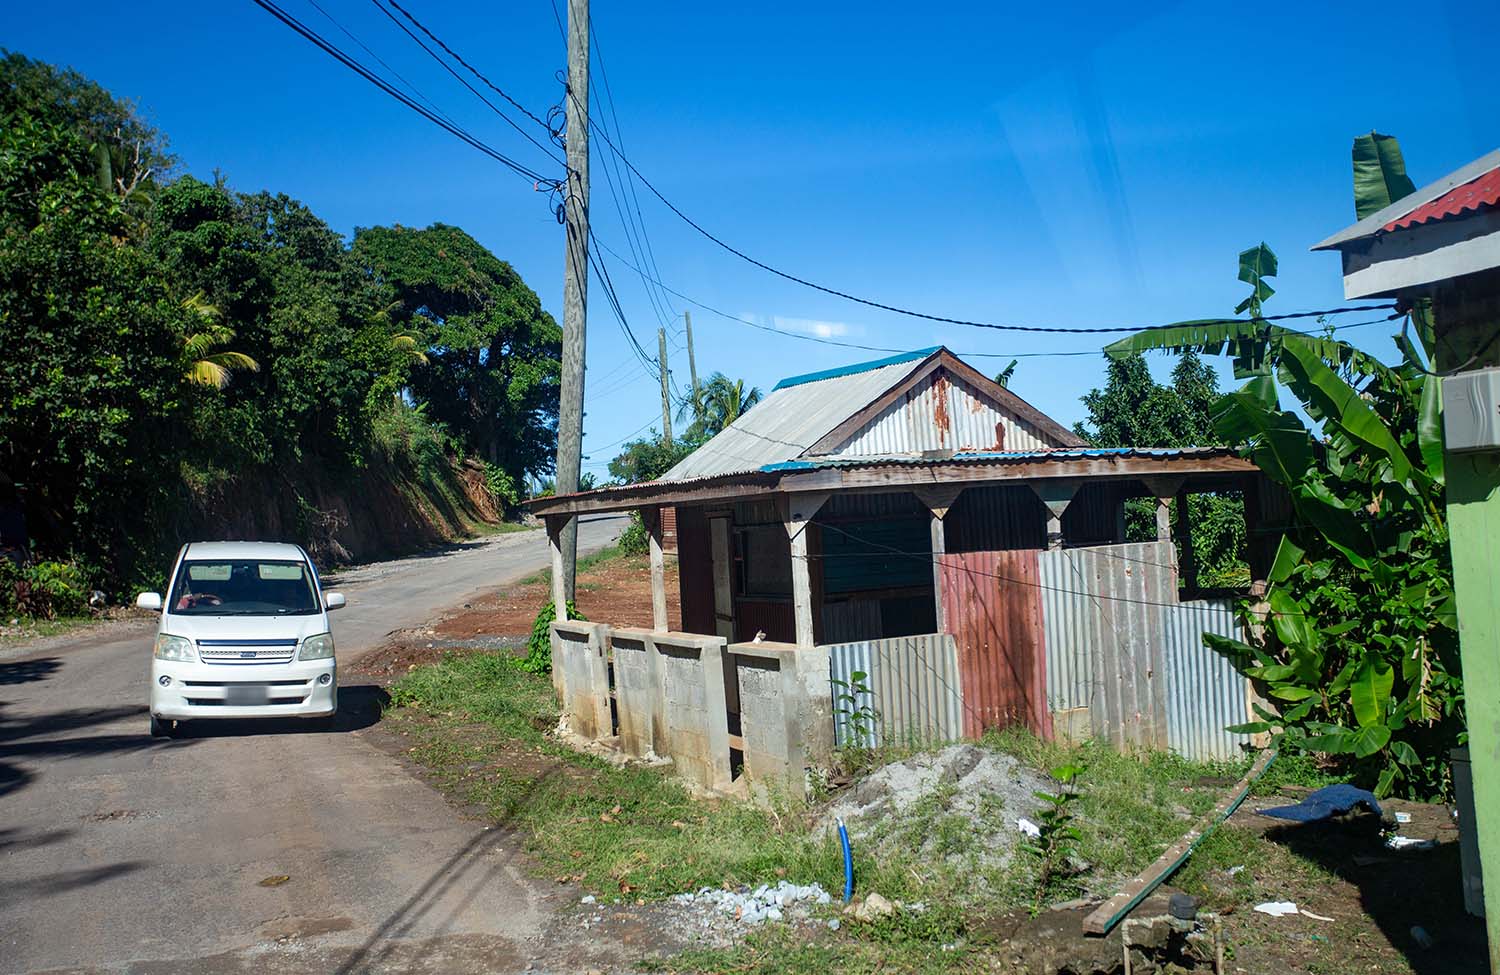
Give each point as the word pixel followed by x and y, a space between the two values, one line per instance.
pixel 943 413
pixel 912 691
pixel 992 519
pixel 992 605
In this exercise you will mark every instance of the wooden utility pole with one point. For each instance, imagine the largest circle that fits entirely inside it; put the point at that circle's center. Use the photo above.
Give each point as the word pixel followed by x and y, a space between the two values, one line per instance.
pixel 666 397
pixel 687 318
pixel 575 282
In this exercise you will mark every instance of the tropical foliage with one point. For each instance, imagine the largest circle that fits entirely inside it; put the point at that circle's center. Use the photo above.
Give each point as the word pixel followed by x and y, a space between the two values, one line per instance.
pixel 1358 646
pixel 170 339
pixel 1133 410
pixel 723 401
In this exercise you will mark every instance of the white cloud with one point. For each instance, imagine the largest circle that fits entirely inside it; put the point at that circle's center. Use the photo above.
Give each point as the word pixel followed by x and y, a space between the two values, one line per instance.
pixel 817 328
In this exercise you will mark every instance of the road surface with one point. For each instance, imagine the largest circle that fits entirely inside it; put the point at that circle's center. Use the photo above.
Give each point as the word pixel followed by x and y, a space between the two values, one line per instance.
pixel 120 853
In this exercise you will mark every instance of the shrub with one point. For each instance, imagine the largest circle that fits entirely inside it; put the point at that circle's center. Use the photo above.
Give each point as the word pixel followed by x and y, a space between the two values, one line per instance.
pixel 634 540
pixel 42 590
pixel 538 659
pixel 502 486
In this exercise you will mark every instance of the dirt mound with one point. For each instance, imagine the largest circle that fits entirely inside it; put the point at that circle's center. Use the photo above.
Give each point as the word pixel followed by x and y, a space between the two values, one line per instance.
pixel 963 800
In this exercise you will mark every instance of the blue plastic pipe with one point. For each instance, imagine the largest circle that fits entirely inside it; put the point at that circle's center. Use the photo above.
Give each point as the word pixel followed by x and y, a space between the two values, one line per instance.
pixel 848 863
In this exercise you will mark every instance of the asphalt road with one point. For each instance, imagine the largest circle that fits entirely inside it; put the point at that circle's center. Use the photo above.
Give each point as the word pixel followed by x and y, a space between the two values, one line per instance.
pixel 120 853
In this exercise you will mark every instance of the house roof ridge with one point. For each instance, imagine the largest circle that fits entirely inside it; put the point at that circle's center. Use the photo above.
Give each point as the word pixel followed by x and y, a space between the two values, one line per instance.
pixel 856 368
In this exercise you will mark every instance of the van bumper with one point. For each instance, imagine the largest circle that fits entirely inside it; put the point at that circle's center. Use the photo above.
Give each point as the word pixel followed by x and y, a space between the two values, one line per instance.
pixel 194 691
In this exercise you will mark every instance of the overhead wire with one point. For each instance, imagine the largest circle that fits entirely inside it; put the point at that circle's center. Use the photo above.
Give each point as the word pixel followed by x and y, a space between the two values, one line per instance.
pixel 459 78
pixel 353 64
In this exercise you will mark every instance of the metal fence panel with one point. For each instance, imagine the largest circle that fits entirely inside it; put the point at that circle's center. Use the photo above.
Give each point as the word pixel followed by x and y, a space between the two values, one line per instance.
pixel 1205 693
pixel 913 688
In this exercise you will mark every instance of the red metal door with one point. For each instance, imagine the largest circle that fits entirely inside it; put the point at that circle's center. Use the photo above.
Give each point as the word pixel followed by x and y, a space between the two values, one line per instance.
pixel 992 604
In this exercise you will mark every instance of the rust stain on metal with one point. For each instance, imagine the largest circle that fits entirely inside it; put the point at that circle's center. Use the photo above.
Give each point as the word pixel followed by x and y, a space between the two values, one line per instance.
pixel 940 418
pixel 999 436
pixel 993 608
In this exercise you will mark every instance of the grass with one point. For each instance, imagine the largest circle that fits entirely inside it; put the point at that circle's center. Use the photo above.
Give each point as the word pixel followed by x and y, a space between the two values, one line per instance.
pixel 635 833
pixel 26 629
pixel 610 553
pixel 485 529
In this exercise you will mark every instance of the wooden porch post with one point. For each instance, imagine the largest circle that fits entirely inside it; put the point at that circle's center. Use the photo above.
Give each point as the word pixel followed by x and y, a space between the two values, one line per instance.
pixel 1163 488
pixel 1189 568
pixel 939 501
pixel 559 580
pixel 652 519
pixel 799 510
pixel 1057 497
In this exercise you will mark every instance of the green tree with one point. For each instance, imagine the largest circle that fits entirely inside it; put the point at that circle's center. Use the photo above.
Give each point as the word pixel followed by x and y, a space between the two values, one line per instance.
pixel 91 390
pixel 1133 410
pixel 724 401
pixel 648 458
pixel 493 354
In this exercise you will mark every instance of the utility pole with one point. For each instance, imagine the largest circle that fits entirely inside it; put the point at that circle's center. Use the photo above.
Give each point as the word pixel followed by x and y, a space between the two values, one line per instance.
pixel 666 398
pixel 575 285
pixel 687 318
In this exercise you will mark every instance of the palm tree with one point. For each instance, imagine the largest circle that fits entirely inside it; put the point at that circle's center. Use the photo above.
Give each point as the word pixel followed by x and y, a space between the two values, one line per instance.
pixel 202 365
pixel 724 400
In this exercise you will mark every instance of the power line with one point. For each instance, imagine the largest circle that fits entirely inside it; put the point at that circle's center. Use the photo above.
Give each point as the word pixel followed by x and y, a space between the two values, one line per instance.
pixel 472 70
pixel 912 313
pixel 459 78
pixel 880 348
pixel 354 65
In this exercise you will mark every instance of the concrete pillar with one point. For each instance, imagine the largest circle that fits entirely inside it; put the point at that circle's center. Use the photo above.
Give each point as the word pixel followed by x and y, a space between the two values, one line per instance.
pixel 1163 519
pixel 799 510
pixel 555 527
pixel 1163 488
pixel 939 501
pixel 652 519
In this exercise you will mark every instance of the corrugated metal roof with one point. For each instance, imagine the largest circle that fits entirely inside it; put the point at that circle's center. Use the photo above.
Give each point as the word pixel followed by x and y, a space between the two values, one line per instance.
pixel 1058 453
pixel 1376 222
pixel 790 420
pixel 1476 194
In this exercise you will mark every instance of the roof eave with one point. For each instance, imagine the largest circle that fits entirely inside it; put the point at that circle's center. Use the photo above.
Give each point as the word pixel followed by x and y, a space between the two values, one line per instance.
pixel 1370 226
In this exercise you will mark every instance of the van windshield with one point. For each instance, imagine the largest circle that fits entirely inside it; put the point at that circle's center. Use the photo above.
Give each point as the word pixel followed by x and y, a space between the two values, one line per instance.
pixel 243 587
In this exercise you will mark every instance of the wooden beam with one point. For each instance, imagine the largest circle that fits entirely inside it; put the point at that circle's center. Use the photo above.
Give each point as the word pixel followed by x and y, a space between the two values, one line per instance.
pixel 1056 495
pixel 939 498
pixel 1188 569
pixel 799 510
pixel 652 519
pixel 1140 886
pixel 939 549
pixel 559 578
pixel 1163 519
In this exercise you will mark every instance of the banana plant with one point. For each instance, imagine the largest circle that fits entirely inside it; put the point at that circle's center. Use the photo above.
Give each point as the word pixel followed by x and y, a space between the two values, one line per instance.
pixel 1358 647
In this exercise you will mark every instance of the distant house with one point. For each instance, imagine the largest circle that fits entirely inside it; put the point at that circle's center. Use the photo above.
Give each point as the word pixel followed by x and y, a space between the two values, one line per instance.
pixel 910 519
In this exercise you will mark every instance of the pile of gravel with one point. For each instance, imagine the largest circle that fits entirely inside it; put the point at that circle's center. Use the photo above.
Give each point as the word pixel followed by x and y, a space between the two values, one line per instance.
pixel 899 803
pixel 764 903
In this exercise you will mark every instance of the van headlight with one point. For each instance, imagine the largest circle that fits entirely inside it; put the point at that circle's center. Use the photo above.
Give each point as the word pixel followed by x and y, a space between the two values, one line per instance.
pixel 318 647
pixel 174 648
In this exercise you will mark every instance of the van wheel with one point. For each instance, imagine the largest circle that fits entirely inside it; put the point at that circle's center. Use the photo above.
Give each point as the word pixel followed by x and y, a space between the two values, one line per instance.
pixel 160 728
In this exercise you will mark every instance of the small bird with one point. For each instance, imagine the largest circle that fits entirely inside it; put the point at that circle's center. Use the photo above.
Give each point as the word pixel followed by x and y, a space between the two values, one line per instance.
pixel 760 636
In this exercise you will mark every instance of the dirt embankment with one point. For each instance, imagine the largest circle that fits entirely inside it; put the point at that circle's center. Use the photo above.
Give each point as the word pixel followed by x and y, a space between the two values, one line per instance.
pixel 378 513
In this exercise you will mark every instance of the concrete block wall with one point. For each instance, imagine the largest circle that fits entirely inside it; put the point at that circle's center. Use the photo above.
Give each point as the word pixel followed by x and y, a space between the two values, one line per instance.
pixel 691 720
pixel 786 715
pixel 580 672
pixel 637 691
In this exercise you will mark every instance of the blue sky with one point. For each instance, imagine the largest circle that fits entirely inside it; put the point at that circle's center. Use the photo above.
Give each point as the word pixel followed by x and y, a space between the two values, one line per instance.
pixel 1055 164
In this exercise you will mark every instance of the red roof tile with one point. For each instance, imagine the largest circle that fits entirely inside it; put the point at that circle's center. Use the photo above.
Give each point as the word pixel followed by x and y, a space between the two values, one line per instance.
pixel 1482 191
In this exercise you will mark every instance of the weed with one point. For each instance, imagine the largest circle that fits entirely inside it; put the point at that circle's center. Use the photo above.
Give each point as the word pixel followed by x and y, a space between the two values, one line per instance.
pixel 1056 843
pixel 852 710
pixel 538 659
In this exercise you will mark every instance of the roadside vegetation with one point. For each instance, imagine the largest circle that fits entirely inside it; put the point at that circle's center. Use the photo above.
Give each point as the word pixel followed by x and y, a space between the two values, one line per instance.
pixel 479 725
pixel 186 357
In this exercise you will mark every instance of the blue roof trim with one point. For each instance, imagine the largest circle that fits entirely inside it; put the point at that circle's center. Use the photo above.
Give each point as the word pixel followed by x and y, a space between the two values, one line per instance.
pixel 858 367
pixel 1055 453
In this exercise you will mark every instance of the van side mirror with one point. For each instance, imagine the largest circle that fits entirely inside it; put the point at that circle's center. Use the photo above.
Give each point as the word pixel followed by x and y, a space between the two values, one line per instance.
pixel 333 601
pixel 149 600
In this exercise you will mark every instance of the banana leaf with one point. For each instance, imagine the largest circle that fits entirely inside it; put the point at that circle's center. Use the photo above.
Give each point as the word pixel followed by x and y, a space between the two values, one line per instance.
pixel 1379 174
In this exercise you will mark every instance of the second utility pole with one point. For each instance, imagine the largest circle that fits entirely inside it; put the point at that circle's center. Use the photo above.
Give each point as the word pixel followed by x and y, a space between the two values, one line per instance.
pixel 687 318
pixel 666 398
pixel 575 283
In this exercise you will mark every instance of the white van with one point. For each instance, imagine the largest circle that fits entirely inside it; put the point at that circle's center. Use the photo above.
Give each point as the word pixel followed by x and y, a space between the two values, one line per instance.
pixel 243 634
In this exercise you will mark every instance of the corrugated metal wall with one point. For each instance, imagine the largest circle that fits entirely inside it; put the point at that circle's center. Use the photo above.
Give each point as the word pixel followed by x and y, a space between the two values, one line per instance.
pixel 990 519
pixel 1205 694
pixel 774 617
pixel 1119 644
pixel 993 607
pixel 942 413
pixel 915 689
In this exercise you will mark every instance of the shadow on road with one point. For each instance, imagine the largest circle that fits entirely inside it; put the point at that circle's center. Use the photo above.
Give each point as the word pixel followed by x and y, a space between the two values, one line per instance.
pixel 63 734
pixel 28 891
pixel 473 854
pixel 359 707
pixel 27 671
